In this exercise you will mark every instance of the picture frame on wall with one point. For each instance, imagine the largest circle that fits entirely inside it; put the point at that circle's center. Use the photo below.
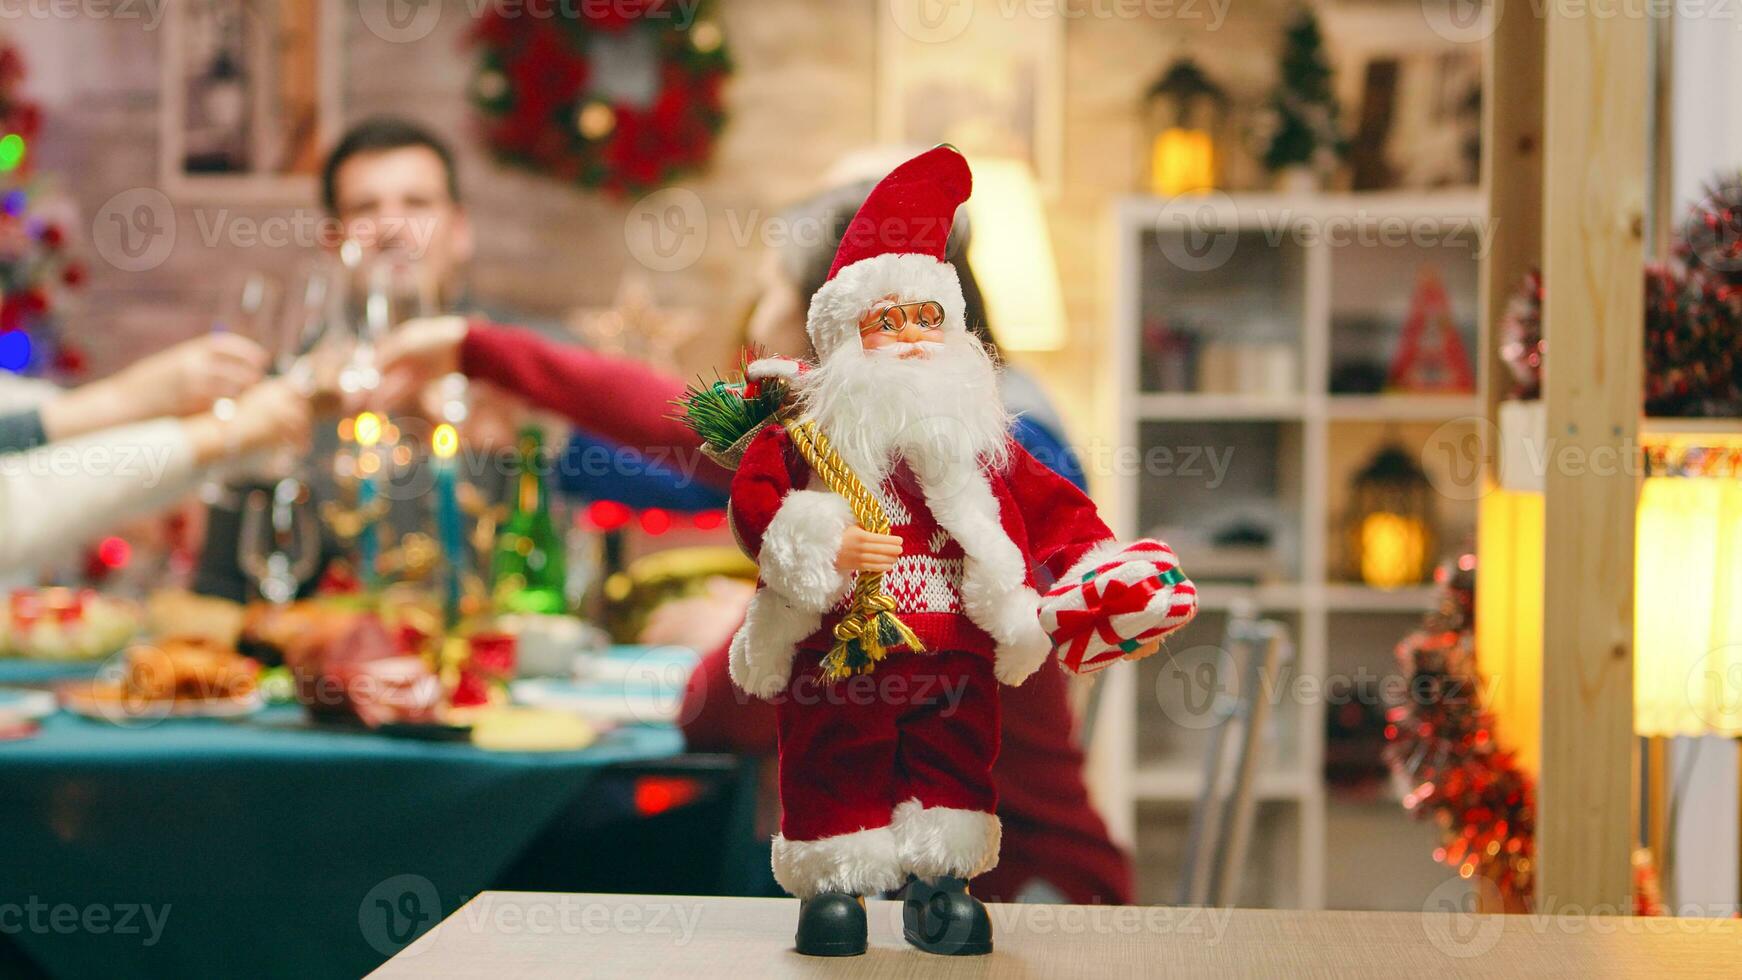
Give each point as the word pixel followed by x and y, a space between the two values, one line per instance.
pixel 1415 98
pixel 985 77
pixel 249 98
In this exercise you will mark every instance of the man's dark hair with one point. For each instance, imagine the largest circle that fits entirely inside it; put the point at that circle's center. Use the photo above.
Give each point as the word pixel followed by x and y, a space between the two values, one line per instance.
pixel 377 135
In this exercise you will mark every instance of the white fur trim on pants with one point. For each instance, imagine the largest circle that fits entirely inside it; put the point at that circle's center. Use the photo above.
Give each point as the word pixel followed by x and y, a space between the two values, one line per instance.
pixel 941 840
pixel 800 546
pixel 760 660
pixel 860 863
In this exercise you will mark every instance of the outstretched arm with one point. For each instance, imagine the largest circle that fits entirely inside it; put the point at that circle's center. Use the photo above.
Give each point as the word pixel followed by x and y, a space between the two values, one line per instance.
pixel 614 397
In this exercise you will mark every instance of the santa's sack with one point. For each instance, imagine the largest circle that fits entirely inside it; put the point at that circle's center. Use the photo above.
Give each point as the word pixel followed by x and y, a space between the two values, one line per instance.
pixel 1136 596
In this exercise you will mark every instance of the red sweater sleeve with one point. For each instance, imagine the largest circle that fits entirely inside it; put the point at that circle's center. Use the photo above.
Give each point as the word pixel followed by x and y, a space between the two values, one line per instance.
pixel 764 478
pixel 612 397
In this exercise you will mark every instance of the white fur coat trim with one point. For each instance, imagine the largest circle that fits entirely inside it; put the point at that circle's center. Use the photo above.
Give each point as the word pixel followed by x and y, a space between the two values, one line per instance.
pixel 760 659
pixel 1092 559
pixel 995 593
pixel 941 840
pixel 833 319
pixel 860 863
pixel 799 549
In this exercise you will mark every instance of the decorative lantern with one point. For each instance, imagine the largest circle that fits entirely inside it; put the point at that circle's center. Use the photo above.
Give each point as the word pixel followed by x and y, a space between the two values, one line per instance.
pixel 1389 531
pixel 1183 113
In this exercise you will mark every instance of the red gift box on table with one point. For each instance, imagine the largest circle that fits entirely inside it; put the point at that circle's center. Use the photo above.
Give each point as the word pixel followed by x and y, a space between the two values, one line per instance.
pixel 1133 598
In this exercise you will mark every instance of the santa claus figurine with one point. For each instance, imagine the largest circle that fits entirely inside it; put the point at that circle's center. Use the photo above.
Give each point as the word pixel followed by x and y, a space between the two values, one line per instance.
pixel 884 652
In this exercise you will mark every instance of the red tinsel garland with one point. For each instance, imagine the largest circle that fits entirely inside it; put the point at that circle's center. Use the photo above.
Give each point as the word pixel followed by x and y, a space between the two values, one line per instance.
pixel 535 90
pixel 1443 750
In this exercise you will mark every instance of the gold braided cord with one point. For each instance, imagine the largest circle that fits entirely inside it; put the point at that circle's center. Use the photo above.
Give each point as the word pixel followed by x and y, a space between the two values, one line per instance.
pixel 870 627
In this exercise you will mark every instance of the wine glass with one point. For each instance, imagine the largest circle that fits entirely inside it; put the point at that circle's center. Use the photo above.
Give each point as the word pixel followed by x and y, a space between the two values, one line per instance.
pixel 280 541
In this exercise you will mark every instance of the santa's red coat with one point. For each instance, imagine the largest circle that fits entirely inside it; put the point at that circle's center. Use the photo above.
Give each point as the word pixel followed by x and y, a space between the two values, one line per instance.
pixel 876 782
pixel 1011 525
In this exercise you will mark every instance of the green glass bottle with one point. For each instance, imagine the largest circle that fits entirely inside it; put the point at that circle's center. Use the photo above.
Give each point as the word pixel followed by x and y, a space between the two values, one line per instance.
pixel 528 569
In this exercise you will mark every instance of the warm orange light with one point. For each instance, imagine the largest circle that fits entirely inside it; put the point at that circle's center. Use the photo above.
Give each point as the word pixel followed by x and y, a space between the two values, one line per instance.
pixel 445 441
pixel 1687 626
pixel 368 429
pixel 1393 550
pixel 1182 161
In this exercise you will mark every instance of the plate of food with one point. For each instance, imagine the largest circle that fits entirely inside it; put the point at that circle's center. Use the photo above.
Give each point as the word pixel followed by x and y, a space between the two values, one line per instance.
pixel 59 624
pixel 186 677
pixel 21 709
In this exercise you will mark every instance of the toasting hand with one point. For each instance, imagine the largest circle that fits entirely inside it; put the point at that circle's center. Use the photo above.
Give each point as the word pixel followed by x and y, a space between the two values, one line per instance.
pixel 415 354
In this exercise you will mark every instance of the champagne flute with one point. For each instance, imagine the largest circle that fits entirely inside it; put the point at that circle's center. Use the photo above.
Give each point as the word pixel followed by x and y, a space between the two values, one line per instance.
pixel 248 310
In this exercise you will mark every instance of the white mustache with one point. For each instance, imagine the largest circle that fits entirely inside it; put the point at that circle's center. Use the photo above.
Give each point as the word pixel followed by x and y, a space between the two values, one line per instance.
pixel 899 350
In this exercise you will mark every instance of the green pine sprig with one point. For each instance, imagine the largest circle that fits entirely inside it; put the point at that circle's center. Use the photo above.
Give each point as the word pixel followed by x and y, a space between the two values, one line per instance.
pixel 723 412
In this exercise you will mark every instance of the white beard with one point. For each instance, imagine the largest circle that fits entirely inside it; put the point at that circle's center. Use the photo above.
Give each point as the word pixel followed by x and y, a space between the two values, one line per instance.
pixel 941 413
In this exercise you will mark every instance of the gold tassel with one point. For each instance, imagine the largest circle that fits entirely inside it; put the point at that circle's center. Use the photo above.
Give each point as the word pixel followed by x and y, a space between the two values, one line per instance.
pixel 870 628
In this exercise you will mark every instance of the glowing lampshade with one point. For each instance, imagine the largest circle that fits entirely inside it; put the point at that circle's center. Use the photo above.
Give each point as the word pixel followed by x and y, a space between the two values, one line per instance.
pixel 1687 613
pixel 1011 253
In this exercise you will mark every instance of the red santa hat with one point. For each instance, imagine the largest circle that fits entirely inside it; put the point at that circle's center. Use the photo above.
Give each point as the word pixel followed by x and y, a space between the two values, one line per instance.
pixel 895 246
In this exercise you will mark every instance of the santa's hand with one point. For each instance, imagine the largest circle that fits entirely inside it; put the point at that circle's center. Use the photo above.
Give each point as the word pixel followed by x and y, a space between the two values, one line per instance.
pixel 1149 649
pixel 862 551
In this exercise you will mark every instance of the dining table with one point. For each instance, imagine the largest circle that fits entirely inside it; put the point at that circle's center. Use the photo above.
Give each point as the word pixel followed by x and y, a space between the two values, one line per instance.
pixel 261 845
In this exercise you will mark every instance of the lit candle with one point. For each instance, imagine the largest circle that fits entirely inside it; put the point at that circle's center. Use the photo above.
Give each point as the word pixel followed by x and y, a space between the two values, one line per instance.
pixel 368 434
pixel 443 444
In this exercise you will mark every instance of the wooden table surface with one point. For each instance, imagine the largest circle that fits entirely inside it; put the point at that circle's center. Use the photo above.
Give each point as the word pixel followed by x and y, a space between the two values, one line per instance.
pixel 515 935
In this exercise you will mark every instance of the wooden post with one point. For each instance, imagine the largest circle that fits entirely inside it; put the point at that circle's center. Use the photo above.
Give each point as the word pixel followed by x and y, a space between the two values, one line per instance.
pixel 1509 583
pixel 1512 179
pixel 1594 195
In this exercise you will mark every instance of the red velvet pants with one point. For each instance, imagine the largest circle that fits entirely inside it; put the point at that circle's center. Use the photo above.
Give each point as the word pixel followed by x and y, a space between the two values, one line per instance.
pixel 920 727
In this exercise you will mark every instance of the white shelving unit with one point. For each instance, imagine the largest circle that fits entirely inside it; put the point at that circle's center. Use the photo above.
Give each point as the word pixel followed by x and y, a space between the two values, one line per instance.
pixel 1296 270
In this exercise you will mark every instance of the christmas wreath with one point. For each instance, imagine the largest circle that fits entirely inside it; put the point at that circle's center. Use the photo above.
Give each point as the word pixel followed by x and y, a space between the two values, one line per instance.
pixel 621 96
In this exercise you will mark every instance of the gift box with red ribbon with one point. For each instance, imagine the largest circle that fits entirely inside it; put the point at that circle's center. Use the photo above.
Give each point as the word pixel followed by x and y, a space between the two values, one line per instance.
pixel 1133 598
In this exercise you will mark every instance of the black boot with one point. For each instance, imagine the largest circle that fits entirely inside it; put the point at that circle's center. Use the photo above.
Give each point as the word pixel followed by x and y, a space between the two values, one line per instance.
pixel 831 924
pixel 943 918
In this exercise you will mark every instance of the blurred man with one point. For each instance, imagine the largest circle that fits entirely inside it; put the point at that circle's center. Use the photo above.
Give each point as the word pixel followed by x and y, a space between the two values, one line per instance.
pixel 404 234
pixel 394 190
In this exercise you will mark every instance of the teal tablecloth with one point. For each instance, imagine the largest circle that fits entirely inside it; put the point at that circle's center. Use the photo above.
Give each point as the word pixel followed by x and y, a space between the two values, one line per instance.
pixel 260 848
pixel 44 672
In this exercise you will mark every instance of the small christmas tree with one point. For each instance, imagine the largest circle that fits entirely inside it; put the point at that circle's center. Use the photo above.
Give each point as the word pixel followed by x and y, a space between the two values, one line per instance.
pixel 1304 130
pixel 35 270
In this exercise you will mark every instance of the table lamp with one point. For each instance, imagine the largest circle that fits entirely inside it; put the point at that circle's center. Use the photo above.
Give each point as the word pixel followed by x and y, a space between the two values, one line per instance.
pixel 1687 620
pixel 1687 612
pixel 1011 253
